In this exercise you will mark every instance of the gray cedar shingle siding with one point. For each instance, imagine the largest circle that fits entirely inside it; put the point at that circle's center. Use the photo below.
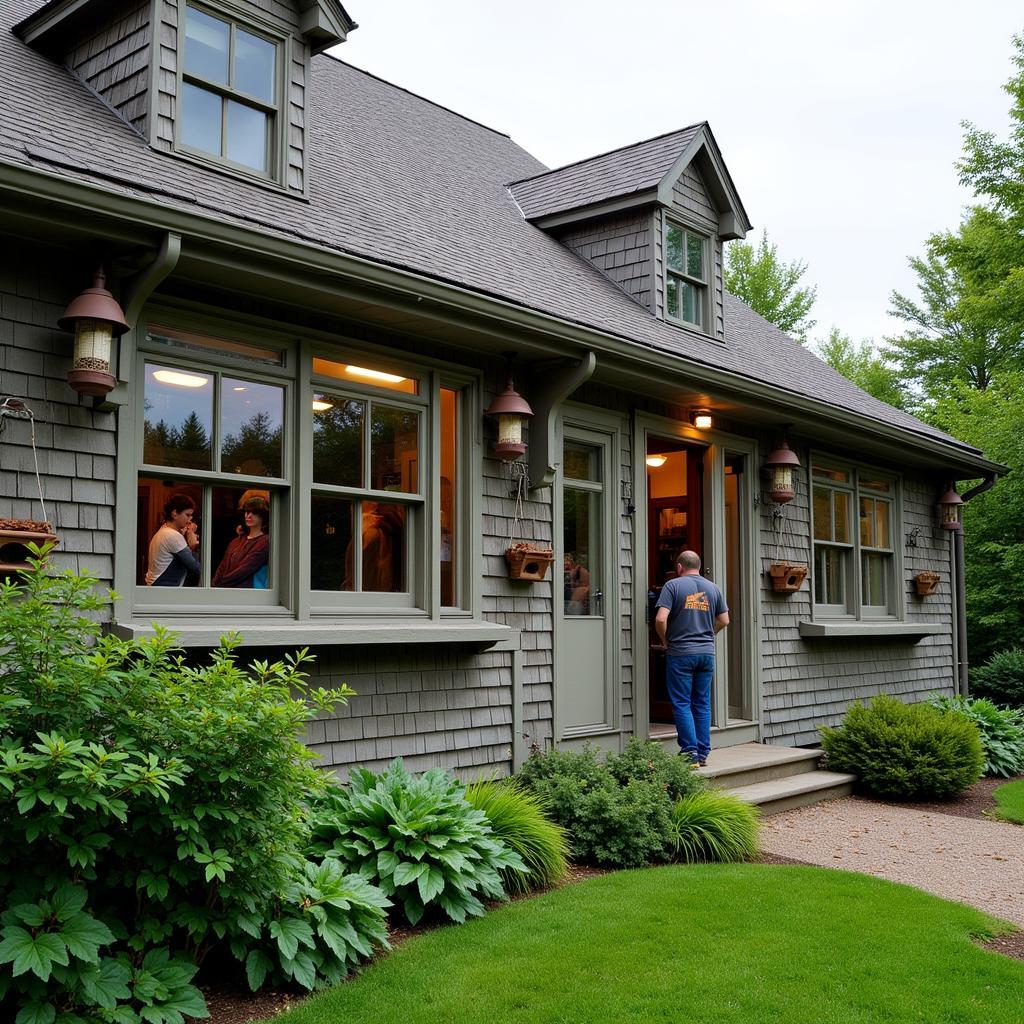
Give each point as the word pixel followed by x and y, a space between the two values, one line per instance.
pixel 692 203
pixel 621 247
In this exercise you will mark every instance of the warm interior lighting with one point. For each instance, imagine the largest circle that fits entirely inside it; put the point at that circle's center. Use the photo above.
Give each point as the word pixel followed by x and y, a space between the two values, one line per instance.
pixel 656 461
pixel 701 419
pixel 780 464
pixel 512 411
pixel 96 319
pixel 178 379
pixel 362 371
pixel 950 503
pixel 319 405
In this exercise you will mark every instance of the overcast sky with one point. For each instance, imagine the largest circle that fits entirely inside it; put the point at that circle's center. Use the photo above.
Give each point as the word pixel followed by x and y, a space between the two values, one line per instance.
pixel 839 120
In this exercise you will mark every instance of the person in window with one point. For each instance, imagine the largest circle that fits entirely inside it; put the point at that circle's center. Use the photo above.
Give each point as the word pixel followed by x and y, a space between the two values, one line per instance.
pixel 245 563
pixel 577 586
pixel 172 551
pixel 383 539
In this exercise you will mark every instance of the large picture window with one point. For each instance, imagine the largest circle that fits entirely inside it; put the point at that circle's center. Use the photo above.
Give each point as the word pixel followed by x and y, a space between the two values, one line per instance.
pixel 853 513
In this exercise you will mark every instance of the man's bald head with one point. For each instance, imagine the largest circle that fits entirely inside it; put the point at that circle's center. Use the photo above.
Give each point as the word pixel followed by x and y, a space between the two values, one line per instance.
pixel 689 561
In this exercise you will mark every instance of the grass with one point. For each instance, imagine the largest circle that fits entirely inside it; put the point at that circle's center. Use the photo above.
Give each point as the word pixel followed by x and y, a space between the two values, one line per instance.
pixel 732 944
pixel 1010 801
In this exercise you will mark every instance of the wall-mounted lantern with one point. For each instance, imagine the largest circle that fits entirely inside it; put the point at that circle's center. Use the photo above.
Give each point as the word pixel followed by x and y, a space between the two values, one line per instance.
pixel 781 462
pixel 96 319
pixel 702 419
pixel 949 504
pixel 512 411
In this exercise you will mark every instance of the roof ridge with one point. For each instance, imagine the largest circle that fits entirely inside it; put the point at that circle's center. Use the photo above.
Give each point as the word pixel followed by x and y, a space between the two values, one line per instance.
pixel 617 149
pixel 416 95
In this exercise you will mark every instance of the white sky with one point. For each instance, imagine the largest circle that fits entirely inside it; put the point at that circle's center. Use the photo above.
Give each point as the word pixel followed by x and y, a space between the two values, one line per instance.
pixel 839 120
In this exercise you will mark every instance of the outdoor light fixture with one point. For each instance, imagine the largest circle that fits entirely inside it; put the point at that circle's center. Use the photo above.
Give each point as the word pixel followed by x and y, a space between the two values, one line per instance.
pixel 96 319
pixel 512 411
pixel 656 461
pixel 701 419
pixel 782 461
pixel 950 504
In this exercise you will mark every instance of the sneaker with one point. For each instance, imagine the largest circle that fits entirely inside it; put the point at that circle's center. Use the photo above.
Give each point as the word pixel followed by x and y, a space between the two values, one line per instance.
pixel 702 763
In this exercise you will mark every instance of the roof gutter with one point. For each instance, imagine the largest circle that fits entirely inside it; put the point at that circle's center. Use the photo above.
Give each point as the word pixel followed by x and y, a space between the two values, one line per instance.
pixel 309 255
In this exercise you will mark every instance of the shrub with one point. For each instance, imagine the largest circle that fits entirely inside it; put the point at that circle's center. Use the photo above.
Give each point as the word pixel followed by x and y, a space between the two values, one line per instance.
pixel 905 751
pixel 1001 731
pixel 172 795
pixel 518 820
pixel 1001 678
pixel 416 837
pixel 713 826
pixel 651 762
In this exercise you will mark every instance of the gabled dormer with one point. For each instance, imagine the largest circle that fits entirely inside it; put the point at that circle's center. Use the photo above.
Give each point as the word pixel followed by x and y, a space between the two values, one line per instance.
pixel 221 82
pixel 652 217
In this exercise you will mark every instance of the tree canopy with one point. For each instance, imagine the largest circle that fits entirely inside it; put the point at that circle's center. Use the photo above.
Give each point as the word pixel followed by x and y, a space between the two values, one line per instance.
pixel 862 365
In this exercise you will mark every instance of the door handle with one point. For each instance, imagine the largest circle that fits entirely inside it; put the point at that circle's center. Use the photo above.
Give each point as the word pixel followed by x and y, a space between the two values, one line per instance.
pixel 598 600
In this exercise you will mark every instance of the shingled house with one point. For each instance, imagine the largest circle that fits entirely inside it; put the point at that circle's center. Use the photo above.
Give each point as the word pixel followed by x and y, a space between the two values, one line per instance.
pixel 326 281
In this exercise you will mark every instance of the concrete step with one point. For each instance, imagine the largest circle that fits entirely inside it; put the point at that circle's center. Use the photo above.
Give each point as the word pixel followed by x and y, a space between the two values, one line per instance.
pixel 783 794
pixel 750 763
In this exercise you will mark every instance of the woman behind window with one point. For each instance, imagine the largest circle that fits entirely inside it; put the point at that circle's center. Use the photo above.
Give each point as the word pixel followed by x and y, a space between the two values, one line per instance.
pixel 172 549
pixel 245 563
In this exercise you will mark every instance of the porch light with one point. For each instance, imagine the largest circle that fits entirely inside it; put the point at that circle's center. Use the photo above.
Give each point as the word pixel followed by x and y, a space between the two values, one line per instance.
pixel 950 504
pixel 512 411
pixel 782 461
pixel 96 319
pixel 656 461
pixel 702 419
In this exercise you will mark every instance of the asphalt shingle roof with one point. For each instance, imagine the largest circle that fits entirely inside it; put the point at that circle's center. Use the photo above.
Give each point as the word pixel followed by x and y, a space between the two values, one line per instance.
pixel 402 181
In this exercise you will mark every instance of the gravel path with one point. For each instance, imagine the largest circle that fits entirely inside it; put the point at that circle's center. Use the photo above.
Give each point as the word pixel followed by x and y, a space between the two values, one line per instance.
pixel 969 860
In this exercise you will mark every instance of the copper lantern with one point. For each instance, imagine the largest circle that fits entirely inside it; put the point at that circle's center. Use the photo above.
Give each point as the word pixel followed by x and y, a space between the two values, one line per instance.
pixel 950 504
pixel 96 319
pixel 782 461
pixel 512 411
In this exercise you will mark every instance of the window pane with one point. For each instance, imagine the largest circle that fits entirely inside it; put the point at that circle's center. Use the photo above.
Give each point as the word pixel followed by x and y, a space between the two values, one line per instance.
pixel 338 441
pixel 240 538
pixel 874 571
pixel 582 461
pixel 384 547
pixel 867 522
pixel 841 509
pixel 672 297
pixel 875 485
pixel 822 514
pixel 187 340
pixel 178 418
pixel 254 65
pixel 200 118
pixel 691 303
pixel 824 473
pixel 159 534
pixel 247 136
pixel 331 538
pixel 674 248
pixel 829 583
pixel 394 449
pixel 251 427
pixel 365 375
pixel 206 46
pixel 581 533
pixel 449 493
pixel 695 256
pixel 882 524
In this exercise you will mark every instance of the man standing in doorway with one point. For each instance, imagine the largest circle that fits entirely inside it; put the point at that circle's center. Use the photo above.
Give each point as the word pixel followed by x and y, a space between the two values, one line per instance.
pixel 691 610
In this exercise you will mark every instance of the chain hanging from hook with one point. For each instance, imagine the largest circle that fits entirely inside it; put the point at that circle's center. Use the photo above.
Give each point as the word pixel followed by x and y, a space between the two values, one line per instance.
pixel 15 408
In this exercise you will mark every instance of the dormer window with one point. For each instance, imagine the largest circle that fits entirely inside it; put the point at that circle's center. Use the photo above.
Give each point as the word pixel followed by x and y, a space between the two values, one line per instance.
pixel 686 275
pixel 230 89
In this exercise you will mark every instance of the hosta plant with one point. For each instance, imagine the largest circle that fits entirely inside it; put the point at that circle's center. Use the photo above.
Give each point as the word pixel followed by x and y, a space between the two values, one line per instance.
pixel 417 838
pixel 1001 731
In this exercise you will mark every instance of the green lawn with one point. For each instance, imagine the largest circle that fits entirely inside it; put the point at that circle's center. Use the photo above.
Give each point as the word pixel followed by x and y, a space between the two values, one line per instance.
pixel 1010 801
pixel 707 943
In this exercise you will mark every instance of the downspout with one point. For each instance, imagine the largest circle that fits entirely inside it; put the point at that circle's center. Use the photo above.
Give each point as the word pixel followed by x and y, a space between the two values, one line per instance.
pixel 961 589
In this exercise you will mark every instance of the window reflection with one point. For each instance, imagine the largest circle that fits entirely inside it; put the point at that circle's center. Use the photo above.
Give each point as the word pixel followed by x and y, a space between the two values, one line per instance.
pixel 580 538
pixel 449 490
pixel 394 449
pixel 338 440
pixel 384 546
pixel 331 536
pixel 178 418
pixel 251 425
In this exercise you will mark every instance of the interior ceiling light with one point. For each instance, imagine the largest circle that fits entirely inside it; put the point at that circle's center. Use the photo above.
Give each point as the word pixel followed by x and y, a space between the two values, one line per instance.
pixel 239 389
pixel 319 405
pixel 656 461
pixel 362 371
pixel 178 379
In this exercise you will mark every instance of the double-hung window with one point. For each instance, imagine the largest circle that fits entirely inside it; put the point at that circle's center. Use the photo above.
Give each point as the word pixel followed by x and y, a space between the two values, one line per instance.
pixel 229 102
pixel 854 513
pixel 686 275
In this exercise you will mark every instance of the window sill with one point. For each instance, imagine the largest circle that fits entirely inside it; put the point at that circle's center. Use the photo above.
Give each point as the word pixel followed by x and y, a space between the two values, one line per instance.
pixel 290 633
pixel 910 631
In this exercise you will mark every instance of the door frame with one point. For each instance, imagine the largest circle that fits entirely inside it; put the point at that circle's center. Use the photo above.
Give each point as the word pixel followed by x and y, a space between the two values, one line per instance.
pixel 716 444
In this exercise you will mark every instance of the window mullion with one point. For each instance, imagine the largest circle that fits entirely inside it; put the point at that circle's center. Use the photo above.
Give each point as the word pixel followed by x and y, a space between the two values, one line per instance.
pixel 302 501
pixel 430 559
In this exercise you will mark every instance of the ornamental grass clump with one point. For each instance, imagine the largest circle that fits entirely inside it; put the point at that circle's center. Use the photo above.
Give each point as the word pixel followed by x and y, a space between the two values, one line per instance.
pixel 417 838
pixel 905 751
pixel 1001 731
pixel 518 820
pixel 710 826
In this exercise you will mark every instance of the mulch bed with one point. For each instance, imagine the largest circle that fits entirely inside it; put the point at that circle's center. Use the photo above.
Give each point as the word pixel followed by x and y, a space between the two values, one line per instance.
pixel 975 802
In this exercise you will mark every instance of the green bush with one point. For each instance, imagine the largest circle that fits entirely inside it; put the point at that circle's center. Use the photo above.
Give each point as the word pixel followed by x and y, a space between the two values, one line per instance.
pixel 905 751
pixel 651 762
pixel 1001 678
pixel 713 826
pixel 1001 731
pixel 172 797
pixel 518 820
pixel 609 824
pixel 417 838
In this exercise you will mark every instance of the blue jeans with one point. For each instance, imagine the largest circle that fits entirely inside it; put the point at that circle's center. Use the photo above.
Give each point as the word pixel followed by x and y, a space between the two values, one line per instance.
pixel 689 679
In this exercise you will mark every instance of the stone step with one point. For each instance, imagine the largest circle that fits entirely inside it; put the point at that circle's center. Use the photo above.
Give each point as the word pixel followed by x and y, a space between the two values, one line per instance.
pixel 750 763
pixel 783 794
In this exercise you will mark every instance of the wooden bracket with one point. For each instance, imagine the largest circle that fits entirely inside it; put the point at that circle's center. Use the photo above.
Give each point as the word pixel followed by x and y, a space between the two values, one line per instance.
pixel 549 389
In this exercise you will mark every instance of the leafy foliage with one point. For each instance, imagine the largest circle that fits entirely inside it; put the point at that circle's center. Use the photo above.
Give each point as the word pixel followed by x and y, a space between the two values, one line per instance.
pixel 650 762
pixel 172 795
pixel 417 837
pixel 1001 731
pixel 905 751
pixel 713 826
pixel 517 818
pixel 863 366
pixel 1001 678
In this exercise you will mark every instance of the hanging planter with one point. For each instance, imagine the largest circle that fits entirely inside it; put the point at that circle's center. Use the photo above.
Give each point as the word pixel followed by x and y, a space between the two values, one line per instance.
pixel 525 562
pixel 786 578
pixel 926 583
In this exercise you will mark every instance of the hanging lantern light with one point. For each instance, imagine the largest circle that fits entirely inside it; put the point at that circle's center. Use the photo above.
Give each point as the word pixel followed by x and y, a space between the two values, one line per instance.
pixel 782 461
pixel 96 319
pixel 950 504
pixel 512 411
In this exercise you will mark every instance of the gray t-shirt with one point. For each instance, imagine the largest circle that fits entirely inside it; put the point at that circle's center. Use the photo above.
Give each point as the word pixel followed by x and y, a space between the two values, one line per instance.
pixel 693 604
